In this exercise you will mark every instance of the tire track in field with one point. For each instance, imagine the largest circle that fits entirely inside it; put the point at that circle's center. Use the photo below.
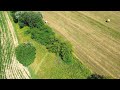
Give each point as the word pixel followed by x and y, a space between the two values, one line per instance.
pixel 11 29
pixel 38 66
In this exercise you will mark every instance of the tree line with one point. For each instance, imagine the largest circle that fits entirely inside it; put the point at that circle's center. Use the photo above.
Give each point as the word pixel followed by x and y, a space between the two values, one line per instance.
pixel 43 34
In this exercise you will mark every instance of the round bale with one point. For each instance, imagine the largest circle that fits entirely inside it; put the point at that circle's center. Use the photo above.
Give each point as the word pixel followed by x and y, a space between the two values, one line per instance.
pixel 108 20
pixel 46 21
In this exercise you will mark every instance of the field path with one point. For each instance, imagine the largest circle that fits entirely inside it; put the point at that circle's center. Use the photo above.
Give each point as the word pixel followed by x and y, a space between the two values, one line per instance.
pixel 11 29
pixel 38 66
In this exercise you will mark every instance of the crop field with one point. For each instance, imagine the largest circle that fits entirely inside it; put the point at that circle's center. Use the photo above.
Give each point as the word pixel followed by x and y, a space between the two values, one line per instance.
pixel 95 42
pixel 10 68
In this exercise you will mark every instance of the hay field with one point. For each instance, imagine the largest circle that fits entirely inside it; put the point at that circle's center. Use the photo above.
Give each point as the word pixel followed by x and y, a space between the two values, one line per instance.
pixel 95 42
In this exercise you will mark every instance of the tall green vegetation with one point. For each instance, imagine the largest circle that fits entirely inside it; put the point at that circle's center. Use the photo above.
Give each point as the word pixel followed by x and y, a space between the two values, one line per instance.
pixel 44 34
pixel 53 44
pixel 66 52
pixel 14 17
pixel 31 19
pixel 25 53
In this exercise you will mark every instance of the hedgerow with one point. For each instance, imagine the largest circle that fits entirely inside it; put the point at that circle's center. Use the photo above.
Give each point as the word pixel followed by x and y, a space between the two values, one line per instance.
pixel 45 35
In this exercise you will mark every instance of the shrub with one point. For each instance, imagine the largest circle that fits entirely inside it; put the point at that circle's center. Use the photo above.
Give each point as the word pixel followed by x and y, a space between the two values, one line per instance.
pixel 96 76
pixel 25 53
pixel 45 36
pixel 21 25
pixel 13 16
pixel 31 19
pixel 54 47
pixel 66 52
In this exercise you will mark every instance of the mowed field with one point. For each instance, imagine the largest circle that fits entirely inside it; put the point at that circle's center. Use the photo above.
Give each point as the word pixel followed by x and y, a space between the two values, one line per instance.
pixel 95 42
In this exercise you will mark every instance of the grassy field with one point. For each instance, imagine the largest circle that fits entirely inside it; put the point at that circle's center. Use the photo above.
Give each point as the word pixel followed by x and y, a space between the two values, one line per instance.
pixel 96 43
pixel 48 65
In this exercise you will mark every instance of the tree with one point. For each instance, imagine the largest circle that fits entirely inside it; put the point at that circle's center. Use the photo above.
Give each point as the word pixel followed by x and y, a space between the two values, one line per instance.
pixel 13 16
pixel 45 36
pixel 31 19
pixel 25 53
pixel 66 52
pixel 96 76
pixel 55 46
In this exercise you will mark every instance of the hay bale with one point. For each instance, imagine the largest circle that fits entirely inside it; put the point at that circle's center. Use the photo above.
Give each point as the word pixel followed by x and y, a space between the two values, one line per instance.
pixel 46 21
pixel 108 20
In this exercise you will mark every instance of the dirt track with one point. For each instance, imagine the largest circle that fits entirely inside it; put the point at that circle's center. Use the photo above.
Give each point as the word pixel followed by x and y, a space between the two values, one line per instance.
pixel 11 29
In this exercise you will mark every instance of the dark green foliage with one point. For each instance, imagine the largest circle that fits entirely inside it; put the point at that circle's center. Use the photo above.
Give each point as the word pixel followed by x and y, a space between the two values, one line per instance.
pixel 31 19
pixel 45 36
pixel 55 46
pixel 21 25
pixel 66 52
pixel 96 76
pixel 13 16
pixel 25 53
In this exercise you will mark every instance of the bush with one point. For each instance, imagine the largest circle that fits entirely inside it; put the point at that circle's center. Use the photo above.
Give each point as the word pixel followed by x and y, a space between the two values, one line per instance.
pixel 45 36
pixel 31 19
pixel 21 25
pixel 54 47
pixel 66 52
pixel 96 76
pixel 13 16
pixel 25 53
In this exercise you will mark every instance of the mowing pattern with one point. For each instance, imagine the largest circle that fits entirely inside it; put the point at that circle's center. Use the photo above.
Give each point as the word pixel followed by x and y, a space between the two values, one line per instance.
pixel 95 42
pixel 10 68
